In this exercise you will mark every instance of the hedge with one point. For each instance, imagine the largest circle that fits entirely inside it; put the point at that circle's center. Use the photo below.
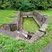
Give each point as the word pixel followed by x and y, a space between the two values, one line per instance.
pixel 25 5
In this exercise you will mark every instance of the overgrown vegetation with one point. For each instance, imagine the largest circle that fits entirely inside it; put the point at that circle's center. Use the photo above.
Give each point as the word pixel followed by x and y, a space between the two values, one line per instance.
pixel 25 5
pixel 29 24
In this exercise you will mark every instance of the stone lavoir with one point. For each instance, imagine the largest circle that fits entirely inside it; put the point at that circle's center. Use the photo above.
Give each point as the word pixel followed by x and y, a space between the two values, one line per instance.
pixel 16 31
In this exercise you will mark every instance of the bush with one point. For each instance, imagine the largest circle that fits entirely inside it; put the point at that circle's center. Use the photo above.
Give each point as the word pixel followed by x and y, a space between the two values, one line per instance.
pixel 26 5
pixel 4 4
pixel 23 5
pixel 50 3
pixel 40 4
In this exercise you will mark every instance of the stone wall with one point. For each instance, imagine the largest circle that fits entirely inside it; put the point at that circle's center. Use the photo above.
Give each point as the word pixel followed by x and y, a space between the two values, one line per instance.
pixel 9 27
pixel 18 20
pixel 41 20
pixel 5 27
pixel 26 14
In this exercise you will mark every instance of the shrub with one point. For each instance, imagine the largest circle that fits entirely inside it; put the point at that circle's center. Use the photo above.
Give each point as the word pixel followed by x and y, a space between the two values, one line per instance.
pixel 26 5
pixel 40 4
pixel 4 4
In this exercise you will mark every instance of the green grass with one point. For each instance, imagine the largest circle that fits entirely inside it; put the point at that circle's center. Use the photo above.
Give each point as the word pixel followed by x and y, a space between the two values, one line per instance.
pixel 8 44
pixel 6 16
pixel 29 25
pixel 47 12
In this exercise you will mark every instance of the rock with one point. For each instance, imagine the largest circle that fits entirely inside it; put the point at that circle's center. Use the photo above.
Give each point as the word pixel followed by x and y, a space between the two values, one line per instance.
pixel 44 27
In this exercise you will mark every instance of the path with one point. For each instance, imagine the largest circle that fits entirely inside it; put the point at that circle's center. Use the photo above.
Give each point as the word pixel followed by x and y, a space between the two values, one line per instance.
pixel 48 48
pixel 12 34
pixel 15 34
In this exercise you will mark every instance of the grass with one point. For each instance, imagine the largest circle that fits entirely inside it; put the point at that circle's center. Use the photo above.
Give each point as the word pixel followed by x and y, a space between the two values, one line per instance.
pixel 6 16
pixel 8 44
pixel 30 25
pixel 47 12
